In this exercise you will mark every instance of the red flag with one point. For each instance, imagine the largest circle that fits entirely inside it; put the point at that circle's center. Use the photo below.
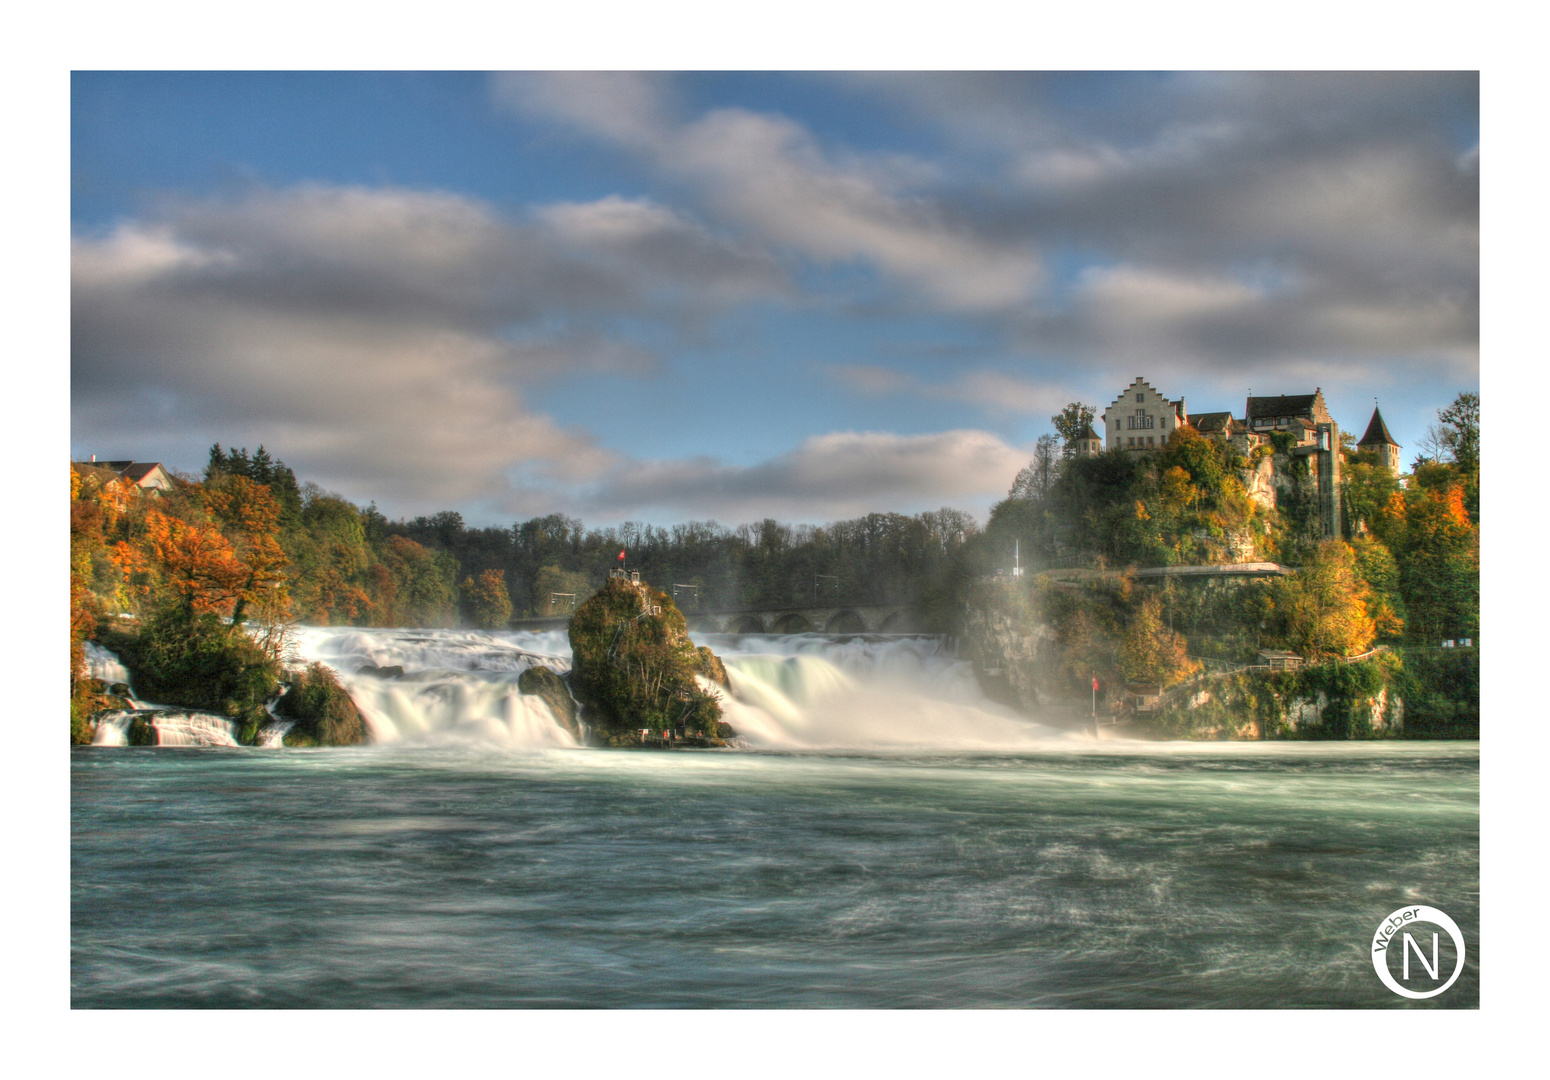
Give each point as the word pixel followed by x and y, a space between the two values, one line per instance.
pixel 621 556
pixel 1095 682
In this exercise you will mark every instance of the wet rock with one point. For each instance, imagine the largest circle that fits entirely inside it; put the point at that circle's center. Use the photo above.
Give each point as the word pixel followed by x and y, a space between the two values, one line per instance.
pixel 324 713
pixel 390 672
pixel 543 683
pixel 142 732
pixel 634 667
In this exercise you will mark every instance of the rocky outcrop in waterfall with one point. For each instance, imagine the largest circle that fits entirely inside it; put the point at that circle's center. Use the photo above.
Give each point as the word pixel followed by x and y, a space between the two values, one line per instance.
pixel 322 709
pixel 634 667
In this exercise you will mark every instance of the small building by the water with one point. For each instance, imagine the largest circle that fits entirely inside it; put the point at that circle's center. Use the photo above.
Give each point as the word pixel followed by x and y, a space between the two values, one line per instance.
pixel 1143 697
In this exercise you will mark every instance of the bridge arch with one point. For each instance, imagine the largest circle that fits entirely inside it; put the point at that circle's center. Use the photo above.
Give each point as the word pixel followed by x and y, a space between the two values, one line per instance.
pixel 845 622
pixel 900 622
pixel 746 624
pixel 792 623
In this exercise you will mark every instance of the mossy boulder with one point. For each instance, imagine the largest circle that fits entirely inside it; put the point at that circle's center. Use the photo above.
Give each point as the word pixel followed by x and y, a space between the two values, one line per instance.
pixel 322 709
pixel 142 732
pixel 634 667
pixel 543 683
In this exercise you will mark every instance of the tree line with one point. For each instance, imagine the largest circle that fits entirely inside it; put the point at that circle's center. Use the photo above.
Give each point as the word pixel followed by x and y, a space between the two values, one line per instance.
pixel 247 540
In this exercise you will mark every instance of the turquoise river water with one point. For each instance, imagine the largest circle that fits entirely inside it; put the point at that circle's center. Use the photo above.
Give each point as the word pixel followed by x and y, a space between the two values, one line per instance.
pixel 990 867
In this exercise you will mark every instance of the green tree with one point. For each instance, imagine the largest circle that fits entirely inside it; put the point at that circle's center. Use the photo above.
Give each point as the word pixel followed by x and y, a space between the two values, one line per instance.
pixel 416 586
pixel 1071 423
pixel 1437 549
pixel 1461 431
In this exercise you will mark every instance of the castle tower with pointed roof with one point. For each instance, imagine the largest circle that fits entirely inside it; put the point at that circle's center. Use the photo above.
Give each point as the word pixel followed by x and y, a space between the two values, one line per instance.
pixel 1379 439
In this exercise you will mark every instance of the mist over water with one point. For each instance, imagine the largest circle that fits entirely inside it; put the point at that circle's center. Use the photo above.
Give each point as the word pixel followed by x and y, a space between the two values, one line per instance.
pixel 888 838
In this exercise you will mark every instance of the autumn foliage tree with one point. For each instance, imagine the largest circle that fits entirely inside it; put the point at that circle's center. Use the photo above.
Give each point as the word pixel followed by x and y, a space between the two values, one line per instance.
pixel 1323 609
pixel 486 600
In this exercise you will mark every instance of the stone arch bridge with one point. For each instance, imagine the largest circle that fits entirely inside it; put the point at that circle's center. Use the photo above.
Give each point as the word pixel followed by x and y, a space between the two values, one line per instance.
pixel 808 619
pixel 804 619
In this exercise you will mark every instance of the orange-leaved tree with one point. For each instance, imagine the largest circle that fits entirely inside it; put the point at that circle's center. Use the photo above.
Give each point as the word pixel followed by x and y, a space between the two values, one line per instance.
pixel 1324 608
pixel 249 519
pixel 198 563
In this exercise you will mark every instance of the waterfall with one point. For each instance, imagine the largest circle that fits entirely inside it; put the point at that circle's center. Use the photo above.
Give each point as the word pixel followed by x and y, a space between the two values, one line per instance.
pixel 802 692
pixel 173 728
pixel 105 665
pixel 864 692
pixel 456 684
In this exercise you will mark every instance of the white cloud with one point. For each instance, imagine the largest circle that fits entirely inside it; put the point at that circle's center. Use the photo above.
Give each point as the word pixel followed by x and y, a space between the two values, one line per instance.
pixel 828 477
pixel 768 175
pixel 383 337
pixel 994 391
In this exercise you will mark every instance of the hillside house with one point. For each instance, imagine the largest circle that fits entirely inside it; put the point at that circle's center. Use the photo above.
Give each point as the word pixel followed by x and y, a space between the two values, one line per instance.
pixel 1141 419
pixel 148 476
pixel 1315 437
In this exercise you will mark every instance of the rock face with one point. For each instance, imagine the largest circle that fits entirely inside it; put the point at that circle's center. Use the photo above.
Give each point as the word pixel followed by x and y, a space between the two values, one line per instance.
pixel 634 667
pixel 541 682
pixel 713 669
pixel 1011 646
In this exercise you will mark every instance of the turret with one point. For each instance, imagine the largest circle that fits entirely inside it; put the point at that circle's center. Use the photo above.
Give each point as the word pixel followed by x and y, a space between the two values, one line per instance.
pixel 1378 438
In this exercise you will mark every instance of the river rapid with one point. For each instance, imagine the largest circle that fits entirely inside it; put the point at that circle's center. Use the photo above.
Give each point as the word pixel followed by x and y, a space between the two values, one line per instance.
pixel 885 838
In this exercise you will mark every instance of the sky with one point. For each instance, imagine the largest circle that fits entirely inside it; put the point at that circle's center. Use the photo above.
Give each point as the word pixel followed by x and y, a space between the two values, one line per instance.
pixel 809 296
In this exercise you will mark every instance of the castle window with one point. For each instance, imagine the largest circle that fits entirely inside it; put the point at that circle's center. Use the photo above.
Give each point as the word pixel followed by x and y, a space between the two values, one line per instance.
pixel 1140 397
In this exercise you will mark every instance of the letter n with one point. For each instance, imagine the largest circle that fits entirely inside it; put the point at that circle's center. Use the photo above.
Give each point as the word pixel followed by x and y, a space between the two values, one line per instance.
pixel 1431 969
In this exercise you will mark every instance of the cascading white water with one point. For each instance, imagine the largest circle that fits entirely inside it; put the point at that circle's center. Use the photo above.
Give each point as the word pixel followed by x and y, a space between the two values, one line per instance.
pixel 173 728
pixel 459 684
pixel 800 692
pixel 104 664
pixel 810 692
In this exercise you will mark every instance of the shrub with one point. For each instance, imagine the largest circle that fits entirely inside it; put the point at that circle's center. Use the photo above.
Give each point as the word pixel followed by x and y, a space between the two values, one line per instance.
pixel 193 659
